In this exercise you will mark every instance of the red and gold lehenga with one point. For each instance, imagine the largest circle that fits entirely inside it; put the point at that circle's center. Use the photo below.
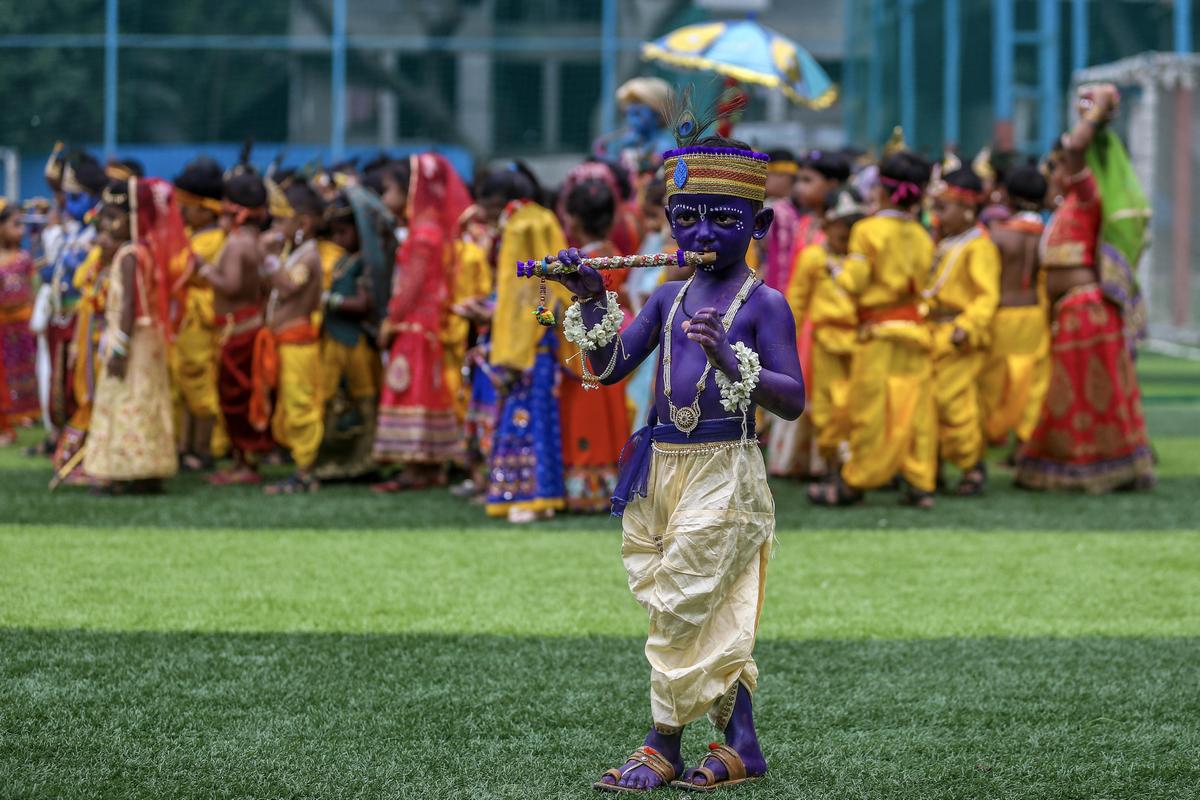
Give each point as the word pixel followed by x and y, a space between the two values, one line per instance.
pixel 595 422
pixel 18 346
pixel 1091 434
pixel 417 420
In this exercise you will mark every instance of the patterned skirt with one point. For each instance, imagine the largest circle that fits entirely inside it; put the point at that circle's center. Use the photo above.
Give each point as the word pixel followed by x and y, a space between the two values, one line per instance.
pixel 595 427
pixel 1091 434
pixel 417 423
pixel 479 426
pixel 18 370
pixel 526 467
pixel 132 436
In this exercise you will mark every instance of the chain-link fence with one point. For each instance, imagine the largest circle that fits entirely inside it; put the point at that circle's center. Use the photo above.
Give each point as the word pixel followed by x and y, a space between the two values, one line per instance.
pixel 968 72
pixel 331 79
pixel 315 78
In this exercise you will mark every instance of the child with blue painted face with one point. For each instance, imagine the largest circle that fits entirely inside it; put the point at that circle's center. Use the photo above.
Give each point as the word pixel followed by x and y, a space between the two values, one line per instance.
pixel 698 515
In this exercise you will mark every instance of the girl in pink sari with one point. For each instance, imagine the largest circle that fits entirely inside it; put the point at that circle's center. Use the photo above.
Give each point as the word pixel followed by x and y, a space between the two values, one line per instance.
pixel 18 346
pixel 417 424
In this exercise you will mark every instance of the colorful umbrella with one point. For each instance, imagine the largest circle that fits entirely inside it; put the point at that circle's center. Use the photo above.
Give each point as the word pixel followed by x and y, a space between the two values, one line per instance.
pixel 747 52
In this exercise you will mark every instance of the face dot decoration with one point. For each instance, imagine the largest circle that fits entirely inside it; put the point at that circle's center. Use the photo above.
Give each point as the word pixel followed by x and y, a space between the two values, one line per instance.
pixel 733 212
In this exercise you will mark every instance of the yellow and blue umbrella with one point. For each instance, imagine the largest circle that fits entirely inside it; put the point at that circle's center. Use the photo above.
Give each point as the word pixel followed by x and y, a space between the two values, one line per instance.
pixel 750 53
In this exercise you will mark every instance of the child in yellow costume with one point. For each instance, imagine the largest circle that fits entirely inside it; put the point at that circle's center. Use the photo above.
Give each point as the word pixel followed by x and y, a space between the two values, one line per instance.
pixel 963 292
pixel 84 363
pixel 814 296
pixel 893 420
pixel 196 349
pixel 470 285
pixel 349 356
pixel 292 339
pixel 1016 373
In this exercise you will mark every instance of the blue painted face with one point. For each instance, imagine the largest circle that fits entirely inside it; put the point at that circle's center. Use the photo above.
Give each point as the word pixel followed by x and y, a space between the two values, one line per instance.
pixel 717 223
pixel 78 204
pixel 642 120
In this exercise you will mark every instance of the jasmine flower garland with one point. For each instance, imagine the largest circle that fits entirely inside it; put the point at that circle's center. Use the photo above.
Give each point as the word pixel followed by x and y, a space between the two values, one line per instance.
pixel 601 334
pixel 735 395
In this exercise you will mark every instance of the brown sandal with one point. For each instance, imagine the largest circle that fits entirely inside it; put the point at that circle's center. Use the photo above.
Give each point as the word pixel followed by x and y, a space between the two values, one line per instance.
pixel 833 493
pixel 642 757
pixel 735 771
pixel 915 498
pixel 973 481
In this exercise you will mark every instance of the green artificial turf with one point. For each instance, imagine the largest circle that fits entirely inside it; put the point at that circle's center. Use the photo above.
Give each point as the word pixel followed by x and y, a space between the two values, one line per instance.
pixel 221 644
pixel 185 716
pixel 821 585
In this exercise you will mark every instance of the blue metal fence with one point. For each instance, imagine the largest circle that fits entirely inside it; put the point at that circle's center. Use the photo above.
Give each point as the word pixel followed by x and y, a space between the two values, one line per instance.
pixel 608 45
pixel 896 51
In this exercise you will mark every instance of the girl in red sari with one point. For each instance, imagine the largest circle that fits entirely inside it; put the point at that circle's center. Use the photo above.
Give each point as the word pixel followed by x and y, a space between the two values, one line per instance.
pixel 1091 434
pixel 417 424
pixel 18 346
pixel 595 421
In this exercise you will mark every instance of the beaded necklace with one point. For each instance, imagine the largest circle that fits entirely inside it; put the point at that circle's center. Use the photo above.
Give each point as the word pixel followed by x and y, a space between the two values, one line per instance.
pixel 949 252
pixel 686 419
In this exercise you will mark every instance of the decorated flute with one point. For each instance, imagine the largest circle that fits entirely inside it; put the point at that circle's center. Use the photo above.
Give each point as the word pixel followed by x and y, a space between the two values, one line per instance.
pixel 550 265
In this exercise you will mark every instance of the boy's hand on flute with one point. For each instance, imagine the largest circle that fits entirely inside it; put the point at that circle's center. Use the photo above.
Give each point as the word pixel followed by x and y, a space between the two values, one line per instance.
pixel 585 282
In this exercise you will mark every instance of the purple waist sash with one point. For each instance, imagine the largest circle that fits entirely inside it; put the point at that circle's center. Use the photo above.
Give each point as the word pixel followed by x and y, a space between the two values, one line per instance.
pixel 634 468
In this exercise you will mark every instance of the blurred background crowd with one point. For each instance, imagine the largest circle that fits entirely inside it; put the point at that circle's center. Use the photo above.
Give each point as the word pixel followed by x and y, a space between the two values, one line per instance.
pixel 403 159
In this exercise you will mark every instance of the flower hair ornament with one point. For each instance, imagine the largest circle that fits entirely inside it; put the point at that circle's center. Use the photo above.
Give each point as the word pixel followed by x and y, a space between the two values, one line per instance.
pixel 901 193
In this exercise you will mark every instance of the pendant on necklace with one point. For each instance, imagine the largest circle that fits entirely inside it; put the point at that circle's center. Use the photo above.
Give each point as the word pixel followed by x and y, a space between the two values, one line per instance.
pixel 685 419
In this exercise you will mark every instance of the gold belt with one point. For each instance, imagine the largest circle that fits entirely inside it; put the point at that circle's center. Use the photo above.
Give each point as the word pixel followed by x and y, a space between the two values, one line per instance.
pixel 701 448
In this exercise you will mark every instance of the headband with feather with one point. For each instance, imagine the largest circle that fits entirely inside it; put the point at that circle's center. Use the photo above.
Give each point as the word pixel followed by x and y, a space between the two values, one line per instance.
pixel 698 169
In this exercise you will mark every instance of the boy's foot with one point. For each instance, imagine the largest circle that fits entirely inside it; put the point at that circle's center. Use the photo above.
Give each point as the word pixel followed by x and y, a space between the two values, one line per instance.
pixel 238 476
pixel 833 493
pixel 917 499
pixel 402 483
pixel 194 462
pixel 645 770
pixel 722 766
pixel 295 484
pixel 973 481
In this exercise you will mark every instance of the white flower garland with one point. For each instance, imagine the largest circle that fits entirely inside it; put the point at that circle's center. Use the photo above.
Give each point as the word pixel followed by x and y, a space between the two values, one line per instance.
pixel 735 395
pixel 601 334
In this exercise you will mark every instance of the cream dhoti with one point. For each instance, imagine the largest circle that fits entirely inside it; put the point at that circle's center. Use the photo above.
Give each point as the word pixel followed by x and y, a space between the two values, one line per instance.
pixel 695 547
